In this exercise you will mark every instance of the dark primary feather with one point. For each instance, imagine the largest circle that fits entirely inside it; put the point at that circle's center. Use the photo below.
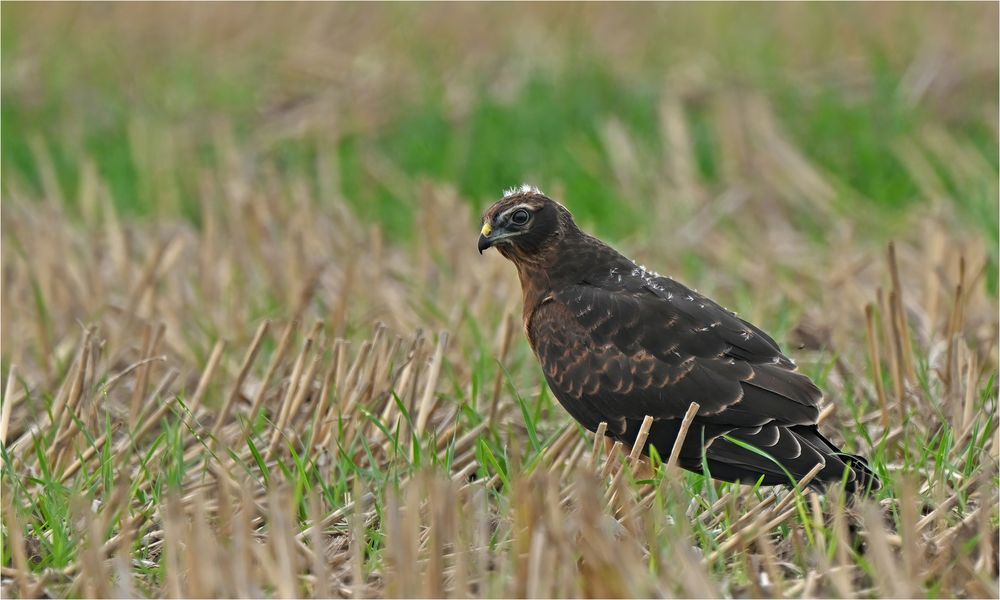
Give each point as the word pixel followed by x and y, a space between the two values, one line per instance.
pixel 617 343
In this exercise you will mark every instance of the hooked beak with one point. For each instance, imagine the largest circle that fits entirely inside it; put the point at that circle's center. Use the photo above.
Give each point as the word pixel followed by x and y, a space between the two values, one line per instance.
pixel 484 243
pixel 490 237
pixel 484 237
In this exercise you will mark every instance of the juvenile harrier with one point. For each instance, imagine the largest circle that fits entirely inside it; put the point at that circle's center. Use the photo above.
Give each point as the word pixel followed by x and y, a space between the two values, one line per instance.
pixel 618 342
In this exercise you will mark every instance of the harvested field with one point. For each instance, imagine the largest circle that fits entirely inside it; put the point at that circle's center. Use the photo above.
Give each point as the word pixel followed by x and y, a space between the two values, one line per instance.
pixel 249 348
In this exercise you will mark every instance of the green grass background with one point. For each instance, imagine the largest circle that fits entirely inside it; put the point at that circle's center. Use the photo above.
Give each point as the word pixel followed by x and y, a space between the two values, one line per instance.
pixel 87 90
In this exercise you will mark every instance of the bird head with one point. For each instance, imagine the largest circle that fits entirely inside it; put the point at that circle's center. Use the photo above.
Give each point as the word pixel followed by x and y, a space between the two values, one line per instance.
pixel 523 224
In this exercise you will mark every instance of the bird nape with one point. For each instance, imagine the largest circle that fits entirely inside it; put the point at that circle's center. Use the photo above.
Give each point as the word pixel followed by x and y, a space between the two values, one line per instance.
pixel 617 343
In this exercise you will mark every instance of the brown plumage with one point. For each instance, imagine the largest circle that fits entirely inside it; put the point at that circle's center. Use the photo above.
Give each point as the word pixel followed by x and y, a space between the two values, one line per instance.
pixel 617 343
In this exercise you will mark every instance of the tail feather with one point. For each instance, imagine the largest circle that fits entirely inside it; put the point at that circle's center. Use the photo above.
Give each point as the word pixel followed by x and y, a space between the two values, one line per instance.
pixel 781 455
pixel 865 477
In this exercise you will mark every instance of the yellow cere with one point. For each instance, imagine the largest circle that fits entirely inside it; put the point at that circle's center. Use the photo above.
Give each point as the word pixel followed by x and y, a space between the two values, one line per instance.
pixel 487 229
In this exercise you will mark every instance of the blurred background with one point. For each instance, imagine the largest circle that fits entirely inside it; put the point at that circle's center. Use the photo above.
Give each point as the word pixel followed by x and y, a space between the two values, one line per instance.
pixel 617 109
pixel 697 137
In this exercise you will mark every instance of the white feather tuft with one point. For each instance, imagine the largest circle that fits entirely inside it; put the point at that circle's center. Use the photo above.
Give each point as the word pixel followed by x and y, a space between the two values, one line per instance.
pixel 524 188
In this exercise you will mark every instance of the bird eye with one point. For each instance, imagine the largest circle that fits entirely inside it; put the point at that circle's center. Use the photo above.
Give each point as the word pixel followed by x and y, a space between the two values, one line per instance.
pixel 520 217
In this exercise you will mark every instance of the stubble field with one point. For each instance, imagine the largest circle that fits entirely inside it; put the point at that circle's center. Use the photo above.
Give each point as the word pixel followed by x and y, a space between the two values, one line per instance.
pixel 249 348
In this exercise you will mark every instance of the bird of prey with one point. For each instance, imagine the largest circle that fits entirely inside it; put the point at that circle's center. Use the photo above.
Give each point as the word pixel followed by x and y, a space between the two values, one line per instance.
pixel 617 342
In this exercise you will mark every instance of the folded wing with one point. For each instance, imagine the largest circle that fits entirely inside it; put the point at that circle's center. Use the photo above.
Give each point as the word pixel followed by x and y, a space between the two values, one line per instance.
pixel 626 354
pixel 638 346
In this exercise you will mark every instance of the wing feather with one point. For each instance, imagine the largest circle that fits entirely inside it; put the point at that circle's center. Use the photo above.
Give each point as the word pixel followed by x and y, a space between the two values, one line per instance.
pixel 633 353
